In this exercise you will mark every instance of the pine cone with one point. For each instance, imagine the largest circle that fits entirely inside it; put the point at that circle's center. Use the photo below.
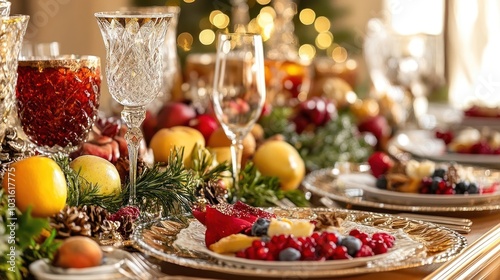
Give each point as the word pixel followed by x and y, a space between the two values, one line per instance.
pixel 126 226
pixel 71 221
pixel 123 167
pixel 212 191
pixel 97 219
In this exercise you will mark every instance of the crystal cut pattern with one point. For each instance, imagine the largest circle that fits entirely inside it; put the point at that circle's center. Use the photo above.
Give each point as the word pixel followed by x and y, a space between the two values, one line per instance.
pixel 133 56
pixel 12 30
pixel 58 100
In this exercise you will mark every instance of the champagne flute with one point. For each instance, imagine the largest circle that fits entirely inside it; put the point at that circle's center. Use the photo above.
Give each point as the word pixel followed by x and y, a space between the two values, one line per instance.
pixel 239 90
pixel 133 41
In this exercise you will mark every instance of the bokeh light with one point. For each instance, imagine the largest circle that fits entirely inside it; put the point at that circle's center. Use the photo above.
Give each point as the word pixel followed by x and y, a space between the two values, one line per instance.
pixel 221 21
pixel 185 41
pixel 189 1
pixel 307 16
pixel 263 2
pixel 307 52
pixel 322 24
pixel 207 37
pixel 213 14
pixel 339 54
pixel 324 40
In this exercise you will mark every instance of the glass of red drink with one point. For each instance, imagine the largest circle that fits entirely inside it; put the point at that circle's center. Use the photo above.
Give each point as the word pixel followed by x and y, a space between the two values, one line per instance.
pixel 58 100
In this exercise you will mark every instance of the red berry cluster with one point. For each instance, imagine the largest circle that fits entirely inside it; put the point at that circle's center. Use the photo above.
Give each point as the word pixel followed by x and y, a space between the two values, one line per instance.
pixel 318 247
pixel 481 147
pixel 131 211
pixel 445 135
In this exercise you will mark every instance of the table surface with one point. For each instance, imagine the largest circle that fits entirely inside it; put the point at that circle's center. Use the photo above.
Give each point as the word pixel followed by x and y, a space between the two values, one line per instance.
pixel 482 223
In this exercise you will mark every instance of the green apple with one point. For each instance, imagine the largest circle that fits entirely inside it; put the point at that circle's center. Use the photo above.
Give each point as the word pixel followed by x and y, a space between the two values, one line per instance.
pixel 97 170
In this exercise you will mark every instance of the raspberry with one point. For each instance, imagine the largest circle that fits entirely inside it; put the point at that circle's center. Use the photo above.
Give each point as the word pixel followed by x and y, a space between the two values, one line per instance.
pixel 385 238
pixel 364 251
pixel 131 211
pixel 341 253
pixel 379 248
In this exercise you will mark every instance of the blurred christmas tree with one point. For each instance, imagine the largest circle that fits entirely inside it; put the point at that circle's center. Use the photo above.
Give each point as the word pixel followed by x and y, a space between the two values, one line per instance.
pixel 315 25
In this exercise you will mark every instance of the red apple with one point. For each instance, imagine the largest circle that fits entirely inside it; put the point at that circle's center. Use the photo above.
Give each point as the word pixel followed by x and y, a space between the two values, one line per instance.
pixel 204 123
pixel 149 126
pixel 175 114
pixel 376 125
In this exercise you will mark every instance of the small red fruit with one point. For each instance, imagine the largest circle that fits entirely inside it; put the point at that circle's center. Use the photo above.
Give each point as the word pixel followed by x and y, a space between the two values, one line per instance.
pixel 378 126
pixel 175 114
pixel 206 124
pixel 380 163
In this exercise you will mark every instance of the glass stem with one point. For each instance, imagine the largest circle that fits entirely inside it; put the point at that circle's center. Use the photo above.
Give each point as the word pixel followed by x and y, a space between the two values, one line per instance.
pixel 236 155
pixel 133 117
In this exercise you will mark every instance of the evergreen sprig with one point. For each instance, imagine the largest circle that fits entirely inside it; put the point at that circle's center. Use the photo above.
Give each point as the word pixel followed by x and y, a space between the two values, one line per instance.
pixel 264 191
pixel 337 141
pixel 171 188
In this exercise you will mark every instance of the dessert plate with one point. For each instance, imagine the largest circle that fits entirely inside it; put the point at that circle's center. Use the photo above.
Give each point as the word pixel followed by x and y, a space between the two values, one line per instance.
pixel 323 182
pixel 434 244
pixel 423 144
pixel 366 183
pixel 193 238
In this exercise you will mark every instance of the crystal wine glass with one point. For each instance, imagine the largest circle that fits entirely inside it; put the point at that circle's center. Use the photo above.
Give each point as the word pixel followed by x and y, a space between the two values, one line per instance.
pixel 239 89
pixel 133 42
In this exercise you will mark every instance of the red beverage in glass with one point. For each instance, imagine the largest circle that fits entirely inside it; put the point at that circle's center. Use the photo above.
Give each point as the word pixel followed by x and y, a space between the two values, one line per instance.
pixel 58 100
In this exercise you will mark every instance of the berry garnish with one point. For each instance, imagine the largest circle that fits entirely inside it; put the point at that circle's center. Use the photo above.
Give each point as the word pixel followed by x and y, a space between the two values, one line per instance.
pixel 318 246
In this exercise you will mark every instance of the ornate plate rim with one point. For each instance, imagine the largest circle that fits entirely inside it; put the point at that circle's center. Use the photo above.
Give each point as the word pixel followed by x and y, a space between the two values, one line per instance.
pixel 484 160
pixel 309 185
pixel 209 263
pixel 386 196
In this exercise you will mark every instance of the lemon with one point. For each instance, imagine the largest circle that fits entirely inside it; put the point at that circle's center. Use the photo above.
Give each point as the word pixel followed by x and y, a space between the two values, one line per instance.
pixel 280 159
pixel 38 182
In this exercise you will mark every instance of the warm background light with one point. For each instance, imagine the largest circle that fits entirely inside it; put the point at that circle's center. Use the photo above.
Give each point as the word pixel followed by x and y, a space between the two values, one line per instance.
pixel 185 41
pixel 307 16
pixel 322 24
pixel 207 37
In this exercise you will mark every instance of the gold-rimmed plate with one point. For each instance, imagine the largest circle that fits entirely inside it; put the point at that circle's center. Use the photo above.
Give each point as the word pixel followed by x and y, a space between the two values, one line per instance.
pixel 437 244
pixel 323 182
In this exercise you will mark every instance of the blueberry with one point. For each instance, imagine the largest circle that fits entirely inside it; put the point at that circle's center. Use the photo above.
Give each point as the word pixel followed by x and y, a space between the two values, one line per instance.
pixel 435 184
pixel 259 228
pixel 381 182
pixel 289 254
pixel 461 187
pixel 473 189
pixel 440 172
pixel 352 244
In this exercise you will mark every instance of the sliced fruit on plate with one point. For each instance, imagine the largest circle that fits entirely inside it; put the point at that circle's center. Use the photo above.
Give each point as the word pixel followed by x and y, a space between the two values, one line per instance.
pixel 225 219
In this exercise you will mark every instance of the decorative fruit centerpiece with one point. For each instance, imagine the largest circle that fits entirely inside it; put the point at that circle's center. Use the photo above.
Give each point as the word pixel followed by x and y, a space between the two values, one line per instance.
pixel 254 234
pixel 427 177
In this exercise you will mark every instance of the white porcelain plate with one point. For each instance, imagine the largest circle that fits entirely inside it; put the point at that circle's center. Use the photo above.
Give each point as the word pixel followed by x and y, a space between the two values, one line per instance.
pixel 423 144
pixel 42 269
pixel 366 183
pixel 192 238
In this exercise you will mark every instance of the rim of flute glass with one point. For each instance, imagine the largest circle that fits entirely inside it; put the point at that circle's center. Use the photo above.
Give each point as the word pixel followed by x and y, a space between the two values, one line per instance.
pixel 13 18
pixel 133 13
pixel 61 60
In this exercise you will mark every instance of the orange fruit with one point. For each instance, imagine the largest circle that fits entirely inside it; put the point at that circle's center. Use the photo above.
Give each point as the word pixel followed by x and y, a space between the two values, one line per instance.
pixel 219 139
pixel 38 182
